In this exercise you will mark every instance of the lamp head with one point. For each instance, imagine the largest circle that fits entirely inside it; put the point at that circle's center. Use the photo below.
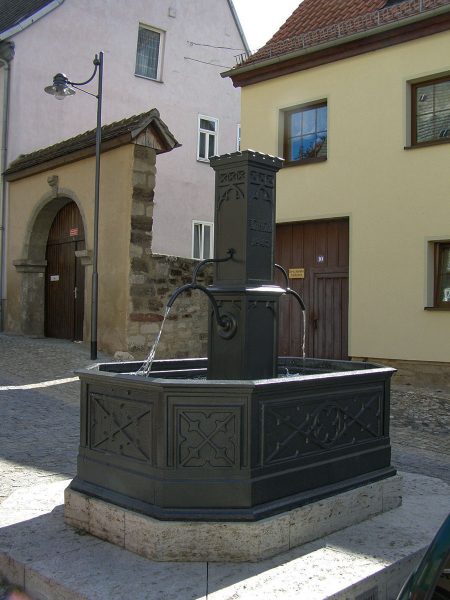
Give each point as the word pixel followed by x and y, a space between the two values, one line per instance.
pixel 61 87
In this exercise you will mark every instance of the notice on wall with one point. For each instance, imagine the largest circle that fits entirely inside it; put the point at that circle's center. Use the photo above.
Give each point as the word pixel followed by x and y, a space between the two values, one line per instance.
pixel 54 277
pixel 298 273
pixel 73 232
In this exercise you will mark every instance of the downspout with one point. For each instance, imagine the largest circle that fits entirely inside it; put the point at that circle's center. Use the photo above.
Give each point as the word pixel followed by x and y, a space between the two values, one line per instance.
pixel 6 55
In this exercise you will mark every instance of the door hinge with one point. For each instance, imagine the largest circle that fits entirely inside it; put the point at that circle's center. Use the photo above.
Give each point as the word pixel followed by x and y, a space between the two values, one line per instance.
pixel 75 292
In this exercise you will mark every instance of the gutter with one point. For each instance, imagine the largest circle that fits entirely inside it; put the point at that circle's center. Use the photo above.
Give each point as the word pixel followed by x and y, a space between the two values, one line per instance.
pixel 238 25
pixel 6 55
pixel 336 42
pixel 4 35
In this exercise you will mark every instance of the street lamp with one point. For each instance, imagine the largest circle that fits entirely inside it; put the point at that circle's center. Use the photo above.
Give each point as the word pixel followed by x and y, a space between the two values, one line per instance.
pixel 62 88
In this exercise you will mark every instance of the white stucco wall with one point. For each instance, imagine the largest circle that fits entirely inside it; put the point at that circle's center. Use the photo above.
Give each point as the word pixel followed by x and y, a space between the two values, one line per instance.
pixel 67 40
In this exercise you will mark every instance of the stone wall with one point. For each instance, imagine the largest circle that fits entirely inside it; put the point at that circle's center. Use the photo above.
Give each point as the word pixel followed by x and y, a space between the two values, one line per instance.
pixel 185 330
pixel 153 279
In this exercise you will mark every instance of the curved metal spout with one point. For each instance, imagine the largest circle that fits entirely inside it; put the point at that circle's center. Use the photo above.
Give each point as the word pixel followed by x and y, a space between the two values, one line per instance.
pixel 288 289
pixel 231 252
pixel 297 297
pixel 283 270
pixel 226 322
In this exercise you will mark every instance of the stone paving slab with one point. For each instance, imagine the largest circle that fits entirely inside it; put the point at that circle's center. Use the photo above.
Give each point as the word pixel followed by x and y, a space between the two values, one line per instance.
pixel 53 561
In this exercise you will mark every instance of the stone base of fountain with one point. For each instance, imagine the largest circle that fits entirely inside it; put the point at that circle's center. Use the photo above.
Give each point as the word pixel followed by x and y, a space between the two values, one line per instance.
pixel 229 541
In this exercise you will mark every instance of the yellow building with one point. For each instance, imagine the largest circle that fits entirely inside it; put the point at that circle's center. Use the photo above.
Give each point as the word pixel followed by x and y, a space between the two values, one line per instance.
pixel 51 239
pixel 356 97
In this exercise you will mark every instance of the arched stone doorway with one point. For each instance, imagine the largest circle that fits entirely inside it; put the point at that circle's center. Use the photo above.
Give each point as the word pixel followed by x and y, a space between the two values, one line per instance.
pixel 64 275
pixel 34 301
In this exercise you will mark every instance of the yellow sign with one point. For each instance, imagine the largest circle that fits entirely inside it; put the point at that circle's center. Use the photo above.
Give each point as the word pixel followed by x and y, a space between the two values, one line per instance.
pixel 296 273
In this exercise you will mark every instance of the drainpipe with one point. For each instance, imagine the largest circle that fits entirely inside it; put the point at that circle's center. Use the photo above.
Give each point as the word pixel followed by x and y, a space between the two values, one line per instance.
pixel 6 55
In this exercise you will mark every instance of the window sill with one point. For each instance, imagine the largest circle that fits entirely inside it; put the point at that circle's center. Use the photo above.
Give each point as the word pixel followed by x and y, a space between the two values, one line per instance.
pixel 426 144
pixel 203 160
pixel 307 161
pixel 437 308
pixel 148 78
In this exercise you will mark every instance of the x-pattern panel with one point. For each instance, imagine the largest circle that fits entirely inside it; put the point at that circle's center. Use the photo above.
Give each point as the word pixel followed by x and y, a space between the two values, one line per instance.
pixel 296 428
pixel 208 437
pixel 121 427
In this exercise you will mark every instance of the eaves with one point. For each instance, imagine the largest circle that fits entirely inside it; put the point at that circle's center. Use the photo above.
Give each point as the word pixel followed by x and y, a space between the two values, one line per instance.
pixel 17 28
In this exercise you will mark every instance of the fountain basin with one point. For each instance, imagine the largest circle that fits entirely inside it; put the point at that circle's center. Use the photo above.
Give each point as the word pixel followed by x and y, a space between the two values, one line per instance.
pixel 177 446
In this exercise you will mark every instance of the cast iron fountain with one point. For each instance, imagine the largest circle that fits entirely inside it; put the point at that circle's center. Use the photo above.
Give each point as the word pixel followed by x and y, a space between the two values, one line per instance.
pixel 242 443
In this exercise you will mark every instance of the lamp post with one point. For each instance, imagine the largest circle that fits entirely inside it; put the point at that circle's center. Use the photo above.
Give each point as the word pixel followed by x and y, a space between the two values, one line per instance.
pixel 62 88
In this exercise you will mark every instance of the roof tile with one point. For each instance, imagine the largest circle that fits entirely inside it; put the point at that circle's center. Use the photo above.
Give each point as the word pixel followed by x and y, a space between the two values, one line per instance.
pixel 88 138
pixel 318 21
pixel 13 12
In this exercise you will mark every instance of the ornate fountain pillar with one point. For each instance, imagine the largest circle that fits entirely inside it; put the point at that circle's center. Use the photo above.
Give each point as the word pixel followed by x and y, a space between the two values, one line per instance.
pixel 243 287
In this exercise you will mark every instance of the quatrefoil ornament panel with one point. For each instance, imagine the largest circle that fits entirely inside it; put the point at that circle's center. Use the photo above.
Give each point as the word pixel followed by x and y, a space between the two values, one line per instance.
pixel 295 429
pixel 121 427
pixel 208 437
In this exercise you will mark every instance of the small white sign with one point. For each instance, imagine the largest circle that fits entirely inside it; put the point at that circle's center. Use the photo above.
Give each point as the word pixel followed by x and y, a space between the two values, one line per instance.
pixel 320 259
pixel 54 277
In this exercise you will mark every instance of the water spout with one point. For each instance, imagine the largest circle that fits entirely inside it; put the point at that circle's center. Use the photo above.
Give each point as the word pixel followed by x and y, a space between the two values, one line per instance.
pixel 231 252
pixel 226 322
pixel 299 299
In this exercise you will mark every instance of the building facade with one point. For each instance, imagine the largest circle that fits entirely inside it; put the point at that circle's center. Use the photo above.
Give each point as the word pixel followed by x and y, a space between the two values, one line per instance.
pixel 356 97
pixel 166 54
pixel 50 246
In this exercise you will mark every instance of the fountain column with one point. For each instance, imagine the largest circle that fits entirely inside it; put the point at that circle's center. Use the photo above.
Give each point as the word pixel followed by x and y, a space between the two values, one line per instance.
pixel 243 286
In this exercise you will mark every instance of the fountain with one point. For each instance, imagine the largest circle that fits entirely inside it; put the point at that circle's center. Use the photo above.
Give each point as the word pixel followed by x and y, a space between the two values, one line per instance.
pixel 240 437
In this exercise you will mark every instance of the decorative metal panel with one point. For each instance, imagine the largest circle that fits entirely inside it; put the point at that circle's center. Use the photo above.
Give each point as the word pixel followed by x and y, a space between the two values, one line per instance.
pixel 300 427
pixel 119 426
pixel 231 186
pixel 208 437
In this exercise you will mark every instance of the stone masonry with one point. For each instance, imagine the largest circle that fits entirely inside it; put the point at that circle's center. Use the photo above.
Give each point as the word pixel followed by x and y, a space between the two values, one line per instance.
pixel 153 278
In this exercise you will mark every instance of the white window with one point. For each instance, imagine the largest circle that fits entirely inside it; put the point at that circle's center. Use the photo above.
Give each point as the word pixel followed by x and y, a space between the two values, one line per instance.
pixel 238 138
pixel 149 51
pixel 202 239
pixel 208 128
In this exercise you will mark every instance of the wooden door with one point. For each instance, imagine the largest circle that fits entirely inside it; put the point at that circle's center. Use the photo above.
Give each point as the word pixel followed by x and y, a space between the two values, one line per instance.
pixel 64 284
pixel 321 249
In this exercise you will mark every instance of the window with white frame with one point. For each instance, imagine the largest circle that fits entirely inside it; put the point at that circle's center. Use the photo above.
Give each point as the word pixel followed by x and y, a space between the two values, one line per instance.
pixel 202 239
pixel 238 138
pixel 208 129
pixel 149 52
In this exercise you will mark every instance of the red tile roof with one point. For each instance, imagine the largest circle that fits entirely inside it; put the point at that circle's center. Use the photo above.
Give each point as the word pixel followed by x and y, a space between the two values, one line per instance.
pixel 318 21
pixel 314 14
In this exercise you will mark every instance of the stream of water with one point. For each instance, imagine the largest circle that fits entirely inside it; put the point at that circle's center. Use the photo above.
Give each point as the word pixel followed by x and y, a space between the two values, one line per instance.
pixel 146 367
pixel 303 349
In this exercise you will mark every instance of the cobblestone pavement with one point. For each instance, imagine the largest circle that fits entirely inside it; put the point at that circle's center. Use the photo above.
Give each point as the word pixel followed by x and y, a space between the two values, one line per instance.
pixel 39 409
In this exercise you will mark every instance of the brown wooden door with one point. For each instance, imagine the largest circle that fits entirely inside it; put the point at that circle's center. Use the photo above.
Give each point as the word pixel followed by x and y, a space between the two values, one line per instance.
pixel 321 248
pixel 64 285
